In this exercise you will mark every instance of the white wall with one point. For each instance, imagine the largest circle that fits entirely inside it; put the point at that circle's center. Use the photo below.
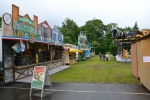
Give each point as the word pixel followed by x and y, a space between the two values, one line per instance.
pixel 0 44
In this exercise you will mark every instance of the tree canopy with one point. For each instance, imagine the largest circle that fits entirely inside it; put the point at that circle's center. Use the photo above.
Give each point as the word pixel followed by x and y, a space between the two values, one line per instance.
pixel 70 31
pixel 98 34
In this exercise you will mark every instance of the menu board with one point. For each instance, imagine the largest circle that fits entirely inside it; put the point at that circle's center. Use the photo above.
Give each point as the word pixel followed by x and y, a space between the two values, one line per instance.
pixel 8 61
pixel 9 75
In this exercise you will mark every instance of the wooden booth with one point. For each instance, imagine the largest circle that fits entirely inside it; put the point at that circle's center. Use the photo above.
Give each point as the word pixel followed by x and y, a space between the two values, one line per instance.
pixel 70 53
pixel 141 60
pixel 25 44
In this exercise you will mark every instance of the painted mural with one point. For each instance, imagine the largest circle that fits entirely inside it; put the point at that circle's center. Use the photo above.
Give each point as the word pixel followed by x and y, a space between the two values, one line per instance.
pixel 23 26
pixel 83 43
pixel 57 36
pixel 44 32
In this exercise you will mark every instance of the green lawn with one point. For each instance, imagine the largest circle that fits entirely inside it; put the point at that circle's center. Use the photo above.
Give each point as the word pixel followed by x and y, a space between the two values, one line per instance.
pixel 95 71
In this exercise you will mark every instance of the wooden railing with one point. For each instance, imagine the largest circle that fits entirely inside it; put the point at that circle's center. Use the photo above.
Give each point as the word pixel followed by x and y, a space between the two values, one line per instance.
pixel 25 71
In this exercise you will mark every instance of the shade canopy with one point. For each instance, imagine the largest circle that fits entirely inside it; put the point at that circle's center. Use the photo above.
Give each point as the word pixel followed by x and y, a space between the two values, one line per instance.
pixel 75 50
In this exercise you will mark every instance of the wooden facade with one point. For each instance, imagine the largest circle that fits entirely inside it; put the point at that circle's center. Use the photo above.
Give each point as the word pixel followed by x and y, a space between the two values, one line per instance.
pixel 134 60
pixel 141 70
pixel 28 44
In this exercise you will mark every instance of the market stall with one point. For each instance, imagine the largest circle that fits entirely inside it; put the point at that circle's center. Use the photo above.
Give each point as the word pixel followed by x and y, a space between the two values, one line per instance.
pixel 26 44
pixel 70 53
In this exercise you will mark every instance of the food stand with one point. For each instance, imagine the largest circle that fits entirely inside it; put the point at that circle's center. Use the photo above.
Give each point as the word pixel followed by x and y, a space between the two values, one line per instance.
pixel 26 44
pixel 70 53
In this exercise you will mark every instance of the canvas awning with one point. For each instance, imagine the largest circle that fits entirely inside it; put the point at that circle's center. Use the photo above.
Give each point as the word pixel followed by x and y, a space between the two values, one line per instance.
pixel 75 50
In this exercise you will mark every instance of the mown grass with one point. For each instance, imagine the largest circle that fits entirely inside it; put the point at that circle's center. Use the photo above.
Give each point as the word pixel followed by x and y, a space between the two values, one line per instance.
pixel 95 71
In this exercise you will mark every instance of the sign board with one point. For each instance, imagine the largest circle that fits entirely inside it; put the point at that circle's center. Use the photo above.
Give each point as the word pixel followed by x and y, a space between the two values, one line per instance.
pixel 40 78
pixel 7 25
pixel 9 75
pixel 146 58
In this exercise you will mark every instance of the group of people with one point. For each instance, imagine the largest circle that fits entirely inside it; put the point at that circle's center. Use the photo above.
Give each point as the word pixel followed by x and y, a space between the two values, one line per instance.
pixel 104 57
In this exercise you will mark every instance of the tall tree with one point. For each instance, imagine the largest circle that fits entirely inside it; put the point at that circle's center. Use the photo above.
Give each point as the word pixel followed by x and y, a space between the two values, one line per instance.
pixel 70 31
pixel 135 27
pixel 95 29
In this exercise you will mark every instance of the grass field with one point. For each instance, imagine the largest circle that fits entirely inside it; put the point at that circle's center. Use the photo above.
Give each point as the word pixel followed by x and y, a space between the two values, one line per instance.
pixel 95 71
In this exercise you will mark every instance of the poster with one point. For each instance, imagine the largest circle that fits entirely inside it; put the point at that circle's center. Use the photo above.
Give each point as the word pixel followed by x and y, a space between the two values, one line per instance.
pixel 146 58
pixel 9 75
pixel 38 77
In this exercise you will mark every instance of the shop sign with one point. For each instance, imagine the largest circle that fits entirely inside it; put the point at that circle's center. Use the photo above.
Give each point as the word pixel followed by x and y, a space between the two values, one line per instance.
pixel 26 20
pixel 51 43
pixel 24 30
pixel 32 40
pixel 6 25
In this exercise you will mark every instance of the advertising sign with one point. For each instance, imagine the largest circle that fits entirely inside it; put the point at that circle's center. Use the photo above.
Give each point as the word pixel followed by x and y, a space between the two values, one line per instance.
pixel 38 77
pixel 146 58
pixel 6 25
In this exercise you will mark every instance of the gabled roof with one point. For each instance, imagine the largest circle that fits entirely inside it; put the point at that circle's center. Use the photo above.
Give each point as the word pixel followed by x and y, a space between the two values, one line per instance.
pixel 45 22
pixel 27 16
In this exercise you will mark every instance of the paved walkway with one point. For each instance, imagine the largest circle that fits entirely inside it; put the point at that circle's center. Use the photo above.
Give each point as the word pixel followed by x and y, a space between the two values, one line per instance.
pixel 51 71
pixel 76 91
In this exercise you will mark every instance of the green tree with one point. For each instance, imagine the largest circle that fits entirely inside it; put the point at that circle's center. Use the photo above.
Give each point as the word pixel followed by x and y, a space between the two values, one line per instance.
pixel 70 31
pixel 95 29
pixel 135 27
pixel 108 38
pixel 112 48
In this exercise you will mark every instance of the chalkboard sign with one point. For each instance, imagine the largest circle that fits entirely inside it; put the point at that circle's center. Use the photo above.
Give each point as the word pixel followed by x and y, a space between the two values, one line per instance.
pixel 8 61
pixel 9 75
pixel 7 46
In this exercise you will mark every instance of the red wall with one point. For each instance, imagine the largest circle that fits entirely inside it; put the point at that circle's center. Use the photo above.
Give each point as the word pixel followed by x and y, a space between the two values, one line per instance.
pixel 134 61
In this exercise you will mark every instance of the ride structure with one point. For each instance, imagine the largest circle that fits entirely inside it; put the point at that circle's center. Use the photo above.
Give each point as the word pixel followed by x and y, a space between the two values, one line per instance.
pixel 123 42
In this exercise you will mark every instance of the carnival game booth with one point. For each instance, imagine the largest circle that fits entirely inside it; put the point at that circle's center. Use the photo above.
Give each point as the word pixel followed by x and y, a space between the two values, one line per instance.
pixel 123 51
pixel 26 44
pixel 141 60
pixel 83 45
pixel 71 53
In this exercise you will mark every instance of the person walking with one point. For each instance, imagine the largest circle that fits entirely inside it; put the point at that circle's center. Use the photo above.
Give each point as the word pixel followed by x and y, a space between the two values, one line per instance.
pixel 107 57
pixel 100 56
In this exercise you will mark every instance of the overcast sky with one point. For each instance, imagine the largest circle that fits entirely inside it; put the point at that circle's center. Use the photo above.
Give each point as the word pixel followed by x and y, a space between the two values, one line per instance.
pixel 123 12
